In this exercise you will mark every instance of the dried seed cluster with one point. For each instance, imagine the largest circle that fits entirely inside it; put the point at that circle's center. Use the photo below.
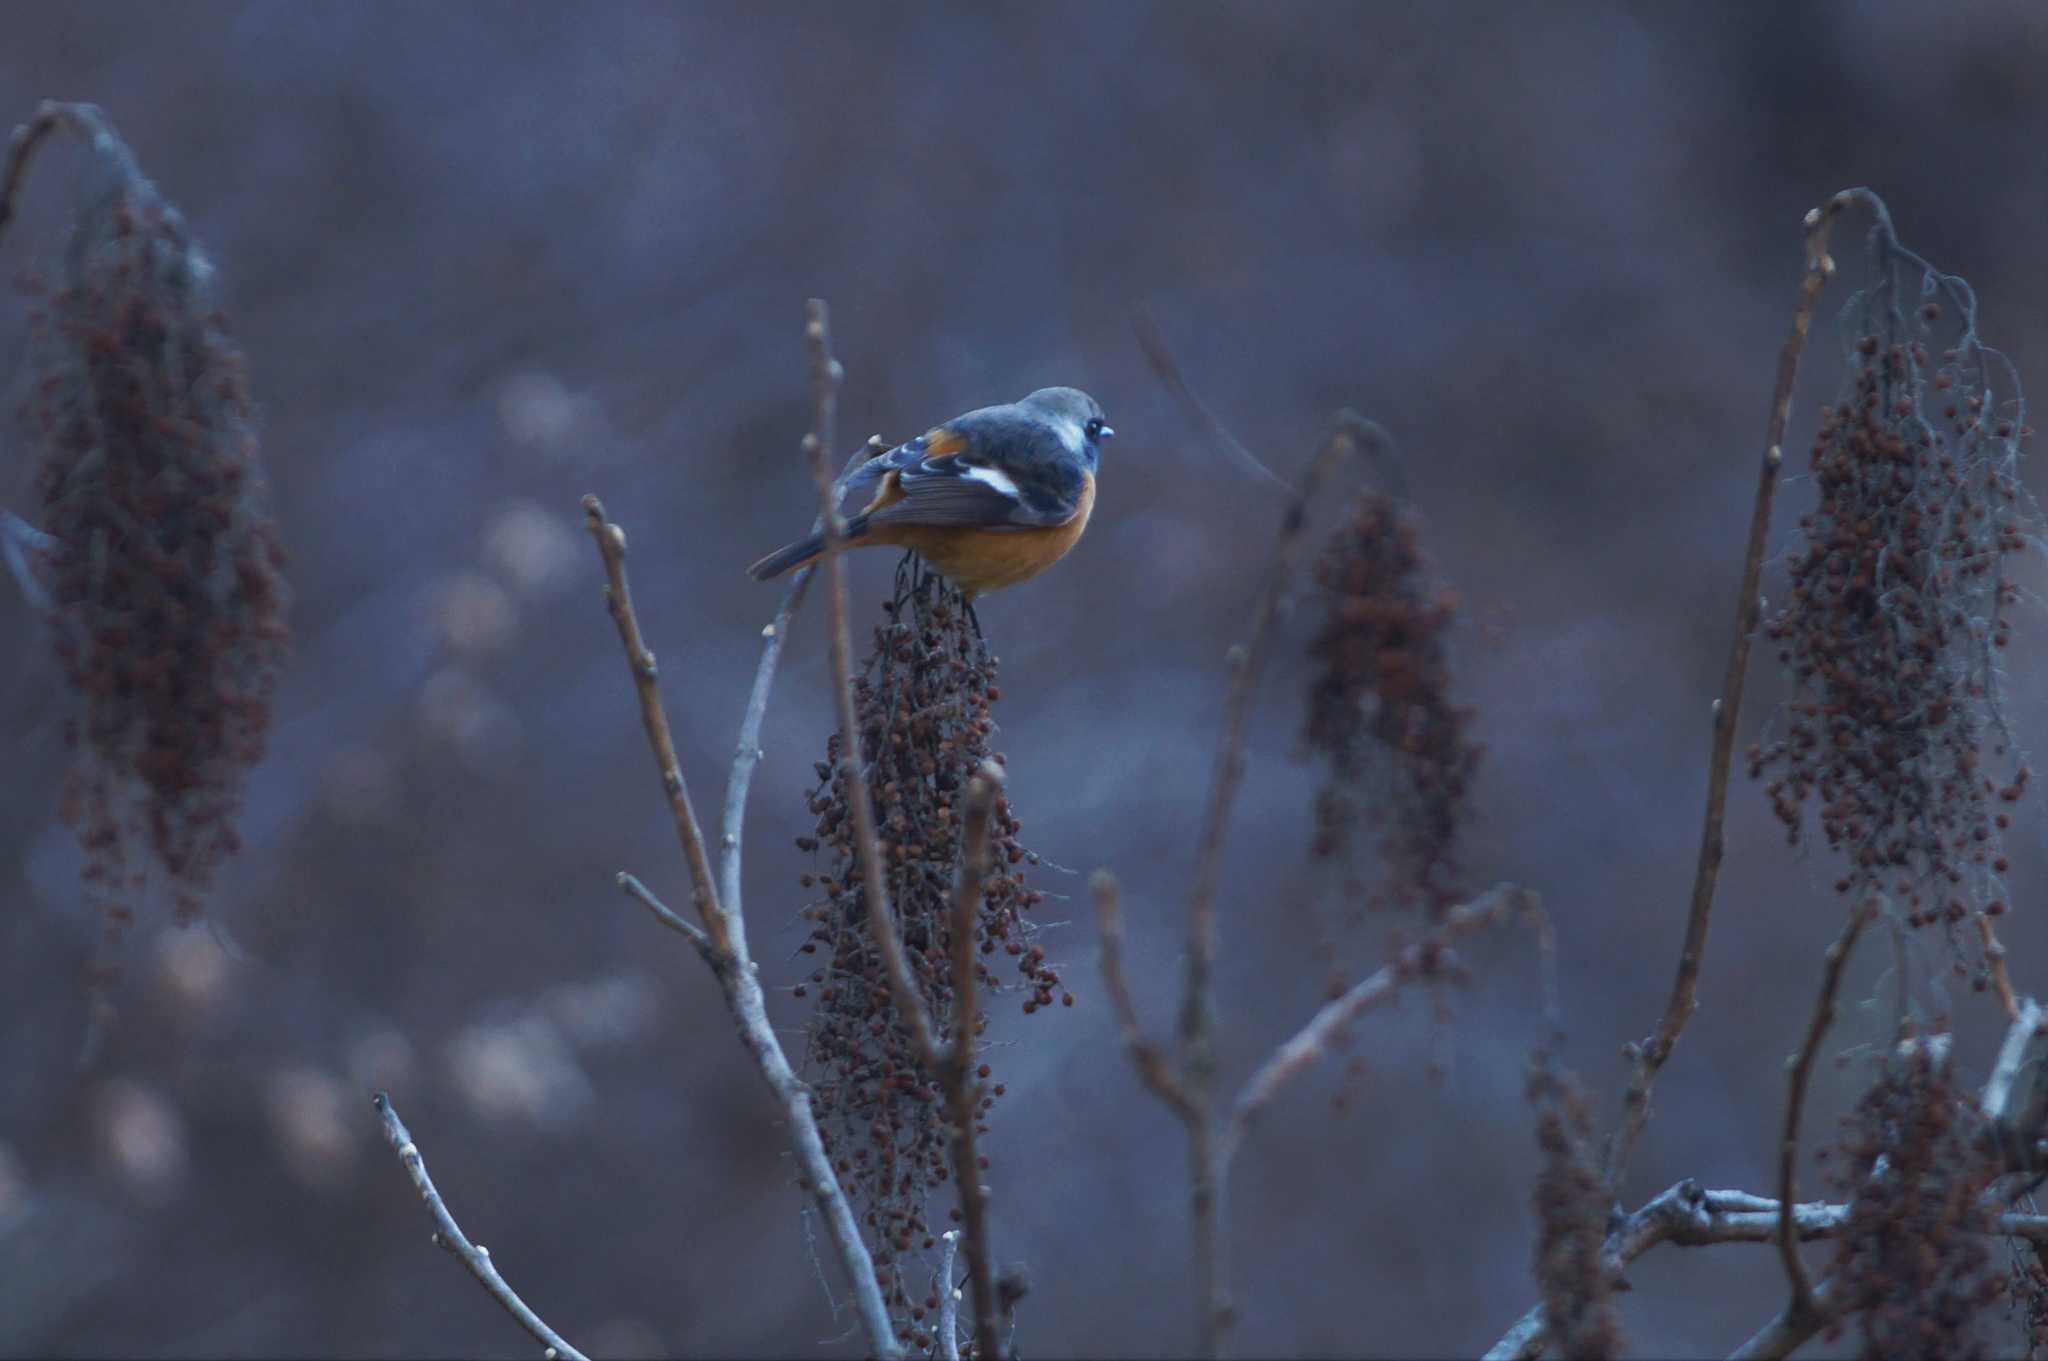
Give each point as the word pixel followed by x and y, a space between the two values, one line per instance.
pixel 1914 1264
pixel 167 599
pixel 1400 753
pixel 1898 608
pixel 923 701
pixel 1571 1213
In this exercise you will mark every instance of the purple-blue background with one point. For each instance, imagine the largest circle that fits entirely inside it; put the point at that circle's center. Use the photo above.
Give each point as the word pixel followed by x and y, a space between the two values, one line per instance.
pixel 488 258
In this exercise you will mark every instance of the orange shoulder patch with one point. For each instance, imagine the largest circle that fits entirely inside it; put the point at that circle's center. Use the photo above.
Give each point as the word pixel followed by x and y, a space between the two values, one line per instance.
pixel 886 495
pixel 939 442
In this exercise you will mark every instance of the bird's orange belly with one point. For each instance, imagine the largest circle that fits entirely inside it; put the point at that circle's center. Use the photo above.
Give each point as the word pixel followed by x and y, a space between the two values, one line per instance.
pixel 981 560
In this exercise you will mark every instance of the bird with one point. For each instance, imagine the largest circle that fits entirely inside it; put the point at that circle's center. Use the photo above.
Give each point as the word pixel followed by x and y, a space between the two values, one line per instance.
pixel 988 499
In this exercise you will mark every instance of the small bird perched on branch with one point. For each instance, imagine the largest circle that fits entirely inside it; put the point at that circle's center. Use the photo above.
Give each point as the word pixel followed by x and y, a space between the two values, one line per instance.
pixel 989 499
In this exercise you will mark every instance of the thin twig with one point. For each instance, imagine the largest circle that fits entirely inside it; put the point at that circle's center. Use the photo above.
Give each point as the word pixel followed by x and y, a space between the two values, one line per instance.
pixel 949 1298
pixel 1351 433
pixel 85 121
pixel 1824 1008
pixel 725 949
pixel 958 1075
pixel 1994 964
pixel 1791 1329
pixel 661 912
pixel 450 1236
pixel 739 781
pixel 611 544
pixel 825 375
pixel 1651 1054
pixel 1154 1068
pixel 1187 1088
pixel 1313 1040
pixel 1159 357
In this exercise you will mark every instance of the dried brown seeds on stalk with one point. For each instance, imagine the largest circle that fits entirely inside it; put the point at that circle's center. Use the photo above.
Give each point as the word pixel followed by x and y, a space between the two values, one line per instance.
pixel 922 708
pixel 166 598
pixel 1399 752
pixel 1897 601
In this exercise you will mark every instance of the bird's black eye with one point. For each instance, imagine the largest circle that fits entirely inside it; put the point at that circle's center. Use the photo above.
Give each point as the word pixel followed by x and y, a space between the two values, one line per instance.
pixel 1097 428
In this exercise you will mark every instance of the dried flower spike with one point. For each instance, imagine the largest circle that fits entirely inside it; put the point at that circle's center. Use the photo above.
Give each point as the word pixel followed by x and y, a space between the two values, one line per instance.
pixel 1899 604
pixel 161 569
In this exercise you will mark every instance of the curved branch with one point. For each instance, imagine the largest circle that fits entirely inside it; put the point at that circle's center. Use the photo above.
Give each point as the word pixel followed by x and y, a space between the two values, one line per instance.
pixel 1651 1054
pixel 449 1235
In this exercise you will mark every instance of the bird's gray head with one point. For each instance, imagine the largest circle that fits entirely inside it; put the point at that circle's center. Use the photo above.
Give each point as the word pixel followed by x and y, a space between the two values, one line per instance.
pixel 1077 416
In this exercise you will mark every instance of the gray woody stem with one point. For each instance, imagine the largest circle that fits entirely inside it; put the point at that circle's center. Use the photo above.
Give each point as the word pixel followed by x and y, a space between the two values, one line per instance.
pixel 725 942
pixel 449 1235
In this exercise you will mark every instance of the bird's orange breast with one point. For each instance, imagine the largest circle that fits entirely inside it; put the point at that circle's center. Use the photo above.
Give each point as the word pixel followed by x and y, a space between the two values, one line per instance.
pixel 981 560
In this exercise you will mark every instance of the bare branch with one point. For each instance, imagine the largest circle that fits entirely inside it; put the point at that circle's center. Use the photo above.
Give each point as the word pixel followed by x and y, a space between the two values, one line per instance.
pixel 1152 342
pixel 1795 1104
pixel 2028 1020
pixel 1351 433
pixel 949 1298
pixel 611 544
pixel 725 944
pixel 84 121
pixel 825 375
pixel 739 781
pixel 449 1235
pixel 1651 1055
pixel 1150 1060
pixel 1686 1215
pixel 1313 1040
pixel 1994 963
pixel 957 1074
pixel 1791 1329
pixel 661 912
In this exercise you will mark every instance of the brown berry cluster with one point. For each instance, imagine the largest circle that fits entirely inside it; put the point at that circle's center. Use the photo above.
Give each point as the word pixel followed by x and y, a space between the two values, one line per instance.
pixel 1571 1214
pixel 1400 754
pixel 2028 1290
pixel 1898 608
pixel 923 702
pixel 166 596
pixel 1913 1263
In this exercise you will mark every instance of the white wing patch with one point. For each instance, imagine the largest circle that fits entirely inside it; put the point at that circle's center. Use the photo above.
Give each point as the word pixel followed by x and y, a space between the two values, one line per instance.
pixel 996 478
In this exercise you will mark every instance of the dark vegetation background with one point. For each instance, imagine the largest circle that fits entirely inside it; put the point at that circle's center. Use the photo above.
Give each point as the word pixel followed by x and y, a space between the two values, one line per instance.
pixel 488 258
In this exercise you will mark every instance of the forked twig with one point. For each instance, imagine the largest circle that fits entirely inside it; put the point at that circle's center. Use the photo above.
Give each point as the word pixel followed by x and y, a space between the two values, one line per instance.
pixel 725 942
pixel 1313 1040
pixel 449 1235
pixel 1154 1067
pixel 618 598
pixel 666 915
pixel 1792 1329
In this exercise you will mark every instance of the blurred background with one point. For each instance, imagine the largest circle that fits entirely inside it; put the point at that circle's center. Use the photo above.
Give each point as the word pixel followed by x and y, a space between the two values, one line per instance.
pixel 485 259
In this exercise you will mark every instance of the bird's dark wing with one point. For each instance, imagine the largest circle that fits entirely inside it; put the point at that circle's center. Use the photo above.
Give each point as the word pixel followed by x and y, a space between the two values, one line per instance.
pixel 945 486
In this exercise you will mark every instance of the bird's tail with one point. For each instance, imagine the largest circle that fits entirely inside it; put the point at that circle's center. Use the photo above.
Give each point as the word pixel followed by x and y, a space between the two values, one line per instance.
pixel 803 552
